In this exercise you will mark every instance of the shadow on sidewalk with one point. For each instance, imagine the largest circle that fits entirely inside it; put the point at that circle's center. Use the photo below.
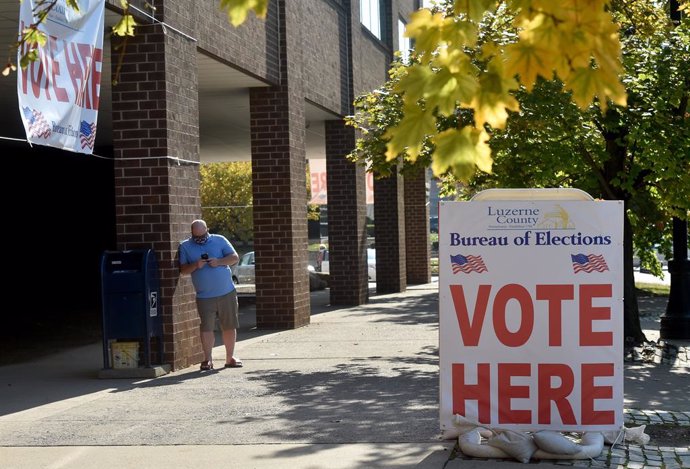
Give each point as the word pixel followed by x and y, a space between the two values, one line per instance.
pixel 380 395
pixel 65 358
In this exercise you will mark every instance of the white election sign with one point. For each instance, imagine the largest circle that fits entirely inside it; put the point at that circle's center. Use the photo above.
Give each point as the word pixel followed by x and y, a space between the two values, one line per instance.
pixel 531 314
pixel 59 93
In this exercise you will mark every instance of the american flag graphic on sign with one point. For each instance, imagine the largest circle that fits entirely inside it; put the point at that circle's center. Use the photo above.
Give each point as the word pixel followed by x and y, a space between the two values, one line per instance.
pixel 38 127
pixel 467 264
pixel 87 133
pixel 588 263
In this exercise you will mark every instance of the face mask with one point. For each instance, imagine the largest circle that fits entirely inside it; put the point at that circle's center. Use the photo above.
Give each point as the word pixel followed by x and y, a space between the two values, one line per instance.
pixel 200 239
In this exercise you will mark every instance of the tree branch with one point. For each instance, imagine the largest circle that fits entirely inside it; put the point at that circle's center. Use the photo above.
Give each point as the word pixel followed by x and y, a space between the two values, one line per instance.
pixel 597 173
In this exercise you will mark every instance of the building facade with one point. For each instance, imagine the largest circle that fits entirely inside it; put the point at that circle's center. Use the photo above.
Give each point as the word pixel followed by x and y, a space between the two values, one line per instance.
pixel 190 88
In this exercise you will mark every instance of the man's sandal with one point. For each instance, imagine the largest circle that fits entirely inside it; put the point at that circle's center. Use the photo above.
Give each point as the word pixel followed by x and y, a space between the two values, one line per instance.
pixel 206 365
pixel 234 364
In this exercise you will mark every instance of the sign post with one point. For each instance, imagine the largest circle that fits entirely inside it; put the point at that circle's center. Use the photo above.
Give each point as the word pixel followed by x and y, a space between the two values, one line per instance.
pixel 531 311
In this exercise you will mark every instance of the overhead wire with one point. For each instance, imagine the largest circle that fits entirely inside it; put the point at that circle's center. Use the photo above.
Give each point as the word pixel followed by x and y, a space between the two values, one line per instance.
pixel 168 157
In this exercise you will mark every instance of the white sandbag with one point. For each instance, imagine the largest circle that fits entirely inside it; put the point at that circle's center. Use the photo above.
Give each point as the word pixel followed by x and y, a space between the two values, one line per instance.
pixel 462 425
pixel 471 445
pixel 637 435
pixel 555 442
pixel 519 445
pixel 633 434
pixel 592 445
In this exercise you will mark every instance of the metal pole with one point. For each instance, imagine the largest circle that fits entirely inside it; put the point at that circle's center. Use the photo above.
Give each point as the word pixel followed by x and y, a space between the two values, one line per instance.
pixel 675 323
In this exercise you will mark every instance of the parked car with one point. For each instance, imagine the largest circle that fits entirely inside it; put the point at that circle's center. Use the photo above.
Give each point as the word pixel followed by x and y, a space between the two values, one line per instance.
pixel 243 271
pixel 325 261
pixel 371 264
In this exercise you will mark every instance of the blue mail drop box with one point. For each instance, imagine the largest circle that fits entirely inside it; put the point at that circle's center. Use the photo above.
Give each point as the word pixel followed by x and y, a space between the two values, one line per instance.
pixel 130 295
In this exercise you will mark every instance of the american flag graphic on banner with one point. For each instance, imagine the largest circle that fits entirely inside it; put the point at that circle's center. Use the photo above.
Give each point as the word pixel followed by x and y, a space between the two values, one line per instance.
pixel 588 263
pixel 467 264
pixel 87 133
pixel 38 127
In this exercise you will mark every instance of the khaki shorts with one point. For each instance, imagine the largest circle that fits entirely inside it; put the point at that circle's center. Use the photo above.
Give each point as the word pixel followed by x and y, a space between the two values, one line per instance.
pixel 224 307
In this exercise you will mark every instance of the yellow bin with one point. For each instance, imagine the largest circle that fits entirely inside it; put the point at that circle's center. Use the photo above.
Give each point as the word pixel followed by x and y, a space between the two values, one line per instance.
pixel 125 354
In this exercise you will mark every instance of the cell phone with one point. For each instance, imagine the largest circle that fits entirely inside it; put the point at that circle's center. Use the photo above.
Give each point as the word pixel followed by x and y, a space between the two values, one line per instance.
pixel 204 256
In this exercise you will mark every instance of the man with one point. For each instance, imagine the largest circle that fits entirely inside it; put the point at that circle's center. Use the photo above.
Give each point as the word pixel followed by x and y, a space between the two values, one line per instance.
pixel 208 257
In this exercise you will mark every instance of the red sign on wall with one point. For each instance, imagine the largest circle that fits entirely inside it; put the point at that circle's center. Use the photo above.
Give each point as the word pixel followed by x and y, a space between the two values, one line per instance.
pixel 319 185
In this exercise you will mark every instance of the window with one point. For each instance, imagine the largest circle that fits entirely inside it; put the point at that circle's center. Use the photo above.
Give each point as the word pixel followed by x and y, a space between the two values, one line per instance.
pixel 404 43
pixel 370 16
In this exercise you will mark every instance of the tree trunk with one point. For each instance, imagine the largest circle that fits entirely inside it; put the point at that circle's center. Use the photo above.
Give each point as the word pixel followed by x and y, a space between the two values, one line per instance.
pixel 632 330
pixel 615 136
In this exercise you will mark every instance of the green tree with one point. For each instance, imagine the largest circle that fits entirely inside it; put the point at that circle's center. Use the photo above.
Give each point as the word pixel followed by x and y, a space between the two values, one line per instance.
pixel 639 154
pixel 226 199
pixel 459 67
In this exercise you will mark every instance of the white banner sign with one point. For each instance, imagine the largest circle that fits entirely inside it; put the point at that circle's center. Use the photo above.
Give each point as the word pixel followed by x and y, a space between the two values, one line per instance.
pixel 59 93
pixel 531 314
pixel 319 186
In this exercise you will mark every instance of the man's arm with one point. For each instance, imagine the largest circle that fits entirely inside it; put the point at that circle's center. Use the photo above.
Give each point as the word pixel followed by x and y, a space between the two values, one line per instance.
pixel 230 259
pixel 186 269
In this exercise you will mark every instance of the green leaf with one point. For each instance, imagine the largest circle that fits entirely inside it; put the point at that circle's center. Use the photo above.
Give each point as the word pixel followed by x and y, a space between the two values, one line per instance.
pixel 73 4
pixel 586 83
pixel 408 136
pixel 239 9
pixel 454 82
pixel 493 99
pixel 425 28
pixel 125 27
pixel 528 60
pixel 415 82
pixel 463 151
pixel 29 57
pixel 33 36
pixel 474 9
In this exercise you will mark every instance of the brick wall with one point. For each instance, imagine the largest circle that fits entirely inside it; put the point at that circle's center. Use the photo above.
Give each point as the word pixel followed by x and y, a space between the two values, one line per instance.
pixel 251 47
pixel 279 187
pixel 326 58
pixel 389 216
pixel 347 218
pixel 155 117
pixel 325 54
pixel 417 246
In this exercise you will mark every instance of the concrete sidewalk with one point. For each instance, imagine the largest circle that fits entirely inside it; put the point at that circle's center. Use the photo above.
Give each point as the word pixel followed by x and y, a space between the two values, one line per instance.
pixel 356 388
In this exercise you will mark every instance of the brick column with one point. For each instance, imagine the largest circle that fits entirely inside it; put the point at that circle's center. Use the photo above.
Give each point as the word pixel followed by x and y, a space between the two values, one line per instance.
pixel 389 222
pixel 347 211
pixel 417 246
pixel 155 119
pixel 279 182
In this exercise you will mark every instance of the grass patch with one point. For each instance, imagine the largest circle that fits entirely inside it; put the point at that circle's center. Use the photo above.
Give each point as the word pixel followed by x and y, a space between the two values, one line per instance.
pixel 652 289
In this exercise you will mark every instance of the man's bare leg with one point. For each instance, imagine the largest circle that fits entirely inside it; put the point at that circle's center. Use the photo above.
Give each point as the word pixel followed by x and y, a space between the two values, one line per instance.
pixel 229 339
pixel 208 340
